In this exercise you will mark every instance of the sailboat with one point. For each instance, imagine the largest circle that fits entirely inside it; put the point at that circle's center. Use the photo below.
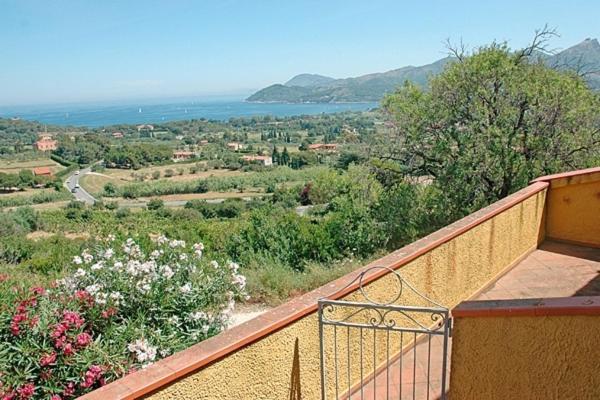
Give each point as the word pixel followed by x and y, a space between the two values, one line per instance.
pixel 140 110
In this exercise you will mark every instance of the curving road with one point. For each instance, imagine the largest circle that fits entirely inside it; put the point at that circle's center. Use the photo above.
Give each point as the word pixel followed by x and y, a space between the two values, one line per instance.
pixel 79 193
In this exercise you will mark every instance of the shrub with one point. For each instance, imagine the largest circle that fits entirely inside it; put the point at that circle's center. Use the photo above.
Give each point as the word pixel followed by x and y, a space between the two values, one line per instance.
pixel 122 213
pixel 155 174
pixel 169 173
pixel 124 307
pixel 155 204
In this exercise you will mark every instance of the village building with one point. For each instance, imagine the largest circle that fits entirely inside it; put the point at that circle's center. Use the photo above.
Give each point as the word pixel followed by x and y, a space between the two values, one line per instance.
pixel 235 146
pixel 183 155
pixel 42 171
pixel 45 143
pixel 117 135
pixel 264 160
pixel 145 127
pixel 330 147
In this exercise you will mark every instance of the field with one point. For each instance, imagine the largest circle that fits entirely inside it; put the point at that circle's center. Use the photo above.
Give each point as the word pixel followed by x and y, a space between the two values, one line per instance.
pixel 13 167
pixel 94 182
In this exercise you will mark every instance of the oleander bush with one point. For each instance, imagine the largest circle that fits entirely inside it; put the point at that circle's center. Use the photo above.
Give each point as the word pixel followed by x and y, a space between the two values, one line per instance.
pixel 126 305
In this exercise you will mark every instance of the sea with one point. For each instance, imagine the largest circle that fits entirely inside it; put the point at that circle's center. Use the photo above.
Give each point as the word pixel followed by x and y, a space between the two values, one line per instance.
pixel 95 115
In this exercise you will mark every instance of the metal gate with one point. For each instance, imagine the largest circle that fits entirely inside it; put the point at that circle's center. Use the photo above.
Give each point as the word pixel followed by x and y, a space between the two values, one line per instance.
pixel 377 348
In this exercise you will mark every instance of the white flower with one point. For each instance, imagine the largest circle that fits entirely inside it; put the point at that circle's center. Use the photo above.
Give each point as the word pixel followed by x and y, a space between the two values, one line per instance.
pixel 183 257
pixel 234 267
pixel 87 257
pixel 143 286
pixel 176 243
pixel 79 273
pixel 109 253
pixel 174 320
pixel 198 315
pixel 116 297
pixel 205 328
pixel 164 352
pixel 101 298
pixel 161 239
pixel 186 288
pixel 111 237
pixel 240 281
pixel 198 249
pixel 99 265
pixel 144 352
pixel 77 260
pixel 117 265
pixel 155 254
pixel 214 264
pixel 93 289
pixel 167 272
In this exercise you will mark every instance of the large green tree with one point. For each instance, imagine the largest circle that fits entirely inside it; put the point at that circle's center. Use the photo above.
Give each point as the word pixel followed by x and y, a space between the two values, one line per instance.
pixel 491 122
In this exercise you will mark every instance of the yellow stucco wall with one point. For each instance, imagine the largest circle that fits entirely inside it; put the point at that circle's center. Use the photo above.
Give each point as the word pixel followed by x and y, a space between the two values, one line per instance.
pixel 555 357
pixel 285 364
pixel 574 209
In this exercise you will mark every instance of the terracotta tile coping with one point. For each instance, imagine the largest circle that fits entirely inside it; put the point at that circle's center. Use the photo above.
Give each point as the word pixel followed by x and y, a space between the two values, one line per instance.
pixel 567 174
pixel 200 355
pixel 556 306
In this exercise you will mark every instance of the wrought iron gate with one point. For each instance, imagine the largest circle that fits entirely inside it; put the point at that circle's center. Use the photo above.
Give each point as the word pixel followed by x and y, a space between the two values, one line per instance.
pixel 366 350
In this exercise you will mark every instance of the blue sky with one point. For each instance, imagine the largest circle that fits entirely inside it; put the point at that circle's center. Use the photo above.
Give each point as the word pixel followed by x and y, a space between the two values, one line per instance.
pixel 89 50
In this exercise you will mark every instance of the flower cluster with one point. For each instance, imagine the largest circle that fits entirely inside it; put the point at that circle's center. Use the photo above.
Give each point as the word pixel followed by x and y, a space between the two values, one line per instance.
pixel 123 307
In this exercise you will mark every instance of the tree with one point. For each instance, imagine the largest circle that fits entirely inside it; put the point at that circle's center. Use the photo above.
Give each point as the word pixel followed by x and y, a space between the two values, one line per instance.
pixel 490 123
pixel 285 157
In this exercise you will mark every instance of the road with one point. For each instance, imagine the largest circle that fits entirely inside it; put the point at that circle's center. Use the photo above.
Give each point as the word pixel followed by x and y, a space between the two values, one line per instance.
pixel 80 194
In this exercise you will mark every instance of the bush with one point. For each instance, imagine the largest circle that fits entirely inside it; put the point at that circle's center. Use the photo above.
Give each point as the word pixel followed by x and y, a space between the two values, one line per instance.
pixel 169 173
pixel 155 174
pixel 155 204
pixel 125 307
pixel 111 205
pixel 122 213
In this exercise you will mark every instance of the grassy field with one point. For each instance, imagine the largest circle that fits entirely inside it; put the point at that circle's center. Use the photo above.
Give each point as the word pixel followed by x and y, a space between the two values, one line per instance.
pixel 26 193
pixel 13 167
pixel 94 183
pixel 127 174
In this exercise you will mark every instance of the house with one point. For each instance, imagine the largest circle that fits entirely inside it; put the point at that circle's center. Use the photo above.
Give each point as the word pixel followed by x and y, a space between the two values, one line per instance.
pixel 235 146
pixel 183 155
pixel 45 143
pixel 117 135
pixel 203 142
pixel 42 171
pixel 145 127
pixel 329 147
pixel 264 160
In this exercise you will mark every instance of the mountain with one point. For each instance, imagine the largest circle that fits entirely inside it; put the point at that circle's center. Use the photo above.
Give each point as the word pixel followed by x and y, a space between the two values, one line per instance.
pixel 309 80
pixel 304 88
pixel 583 58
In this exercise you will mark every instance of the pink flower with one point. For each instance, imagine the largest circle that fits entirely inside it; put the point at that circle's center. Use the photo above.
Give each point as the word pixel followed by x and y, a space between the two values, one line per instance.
pixel 48 359
pixel 9 396
pixel 92 375
pixel 39 291
pixel 55 397
pixel 26 391
pixel 106 314
pixel 72 318
pixel 69 390
pixel 68 349
pixel 3 277
pixel 83 339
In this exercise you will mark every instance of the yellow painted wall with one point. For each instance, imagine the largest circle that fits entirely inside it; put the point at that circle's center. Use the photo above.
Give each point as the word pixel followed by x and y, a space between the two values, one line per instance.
pixel 523 358
pixel 574 209
pixel 285 364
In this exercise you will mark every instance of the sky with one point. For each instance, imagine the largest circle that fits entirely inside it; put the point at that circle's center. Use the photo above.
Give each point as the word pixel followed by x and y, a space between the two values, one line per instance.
pixel 60 51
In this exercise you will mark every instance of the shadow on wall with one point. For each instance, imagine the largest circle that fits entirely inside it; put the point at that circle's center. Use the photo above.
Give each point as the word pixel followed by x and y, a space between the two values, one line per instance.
pixel 295 386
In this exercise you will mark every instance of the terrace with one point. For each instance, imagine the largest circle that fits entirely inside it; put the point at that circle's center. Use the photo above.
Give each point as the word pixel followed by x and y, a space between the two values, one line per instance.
pixel 510 291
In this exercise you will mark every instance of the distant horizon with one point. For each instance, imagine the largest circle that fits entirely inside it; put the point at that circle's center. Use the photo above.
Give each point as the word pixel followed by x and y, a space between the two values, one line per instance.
pixel 67 52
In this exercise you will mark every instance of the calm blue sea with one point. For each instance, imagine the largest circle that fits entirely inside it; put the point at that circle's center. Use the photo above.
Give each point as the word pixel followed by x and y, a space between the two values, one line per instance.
pixel 95 115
